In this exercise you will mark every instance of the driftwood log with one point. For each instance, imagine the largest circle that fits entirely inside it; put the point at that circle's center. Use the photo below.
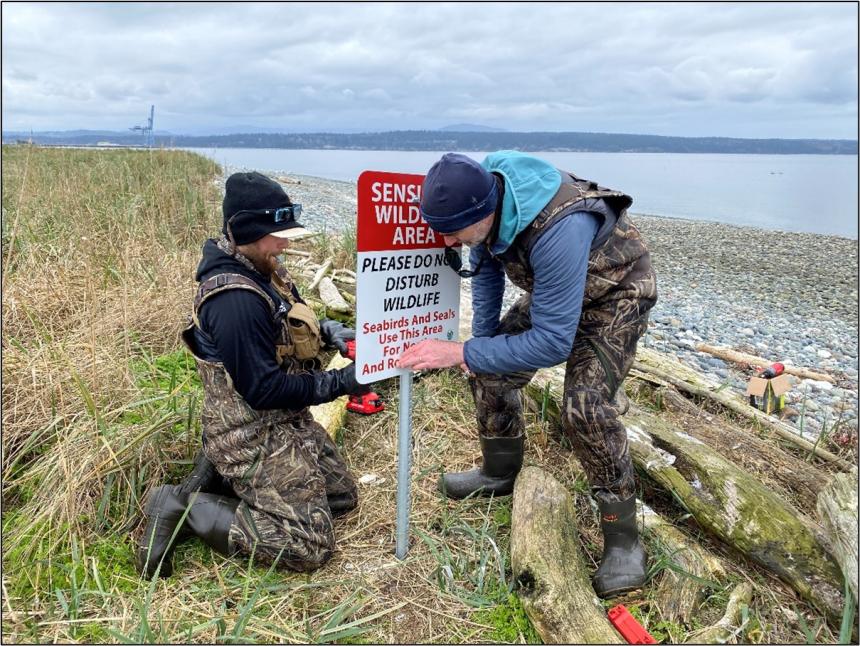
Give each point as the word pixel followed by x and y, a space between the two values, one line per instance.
pixel 331 414
pixel 837 509
pixel 322 271
pixel 726 630
pixel 681 587
pixel 332 298
pixel 750 359
pixel 551 575
pixel 802 480
pixel 670 371
pixel 734 506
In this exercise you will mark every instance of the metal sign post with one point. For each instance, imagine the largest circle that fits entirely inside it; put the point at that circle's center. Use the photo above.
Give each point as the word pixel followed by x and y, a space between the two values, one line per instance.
pixel 405 293
pixel 404 462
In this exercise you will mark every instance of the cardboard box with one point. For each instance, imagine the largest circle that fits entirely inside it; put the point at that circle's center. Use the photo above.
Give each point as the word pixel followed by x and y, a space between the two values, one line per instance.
pixel 768 395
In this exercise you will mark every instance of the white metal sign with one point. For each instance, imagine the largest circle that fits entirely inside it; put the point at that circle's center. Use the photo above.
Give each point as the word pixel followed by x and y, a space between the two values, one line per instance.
pixel 405 291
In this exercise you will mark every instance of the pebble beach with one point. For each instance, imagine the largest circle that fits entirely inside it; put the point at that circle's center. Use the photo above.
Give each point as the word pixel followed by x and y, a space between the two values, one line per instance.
pixel 786 297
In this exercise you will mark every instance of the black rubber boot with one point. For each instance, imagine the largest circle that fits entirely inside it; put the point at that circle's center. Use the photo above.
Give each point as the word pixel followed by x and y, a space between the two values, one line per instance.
pixel 204 477
pixel 341 503
pixel 503 458
pixel 209 517
pixel 622 567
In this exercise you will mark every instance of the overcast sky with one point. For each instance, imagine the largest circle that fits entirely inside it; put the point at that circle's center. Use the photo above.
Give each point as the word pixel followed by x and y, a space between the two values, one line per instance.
pixel 734 69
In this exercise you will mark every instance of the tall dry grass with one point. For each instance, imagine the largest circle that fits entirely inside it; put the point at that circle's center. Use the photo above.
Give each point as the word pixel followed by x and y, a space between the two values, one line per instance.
pixel 99 249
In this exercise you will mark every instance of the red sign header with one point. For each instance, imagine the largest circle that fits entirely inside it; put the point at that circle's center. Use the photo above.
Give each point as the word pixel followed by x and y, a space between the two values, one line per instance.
pixel 389 216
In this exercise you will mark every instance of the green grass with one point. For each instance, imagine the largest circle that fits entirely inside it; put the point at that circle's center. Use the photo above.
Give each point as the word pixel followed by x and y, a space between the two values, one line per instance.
pixel 510 623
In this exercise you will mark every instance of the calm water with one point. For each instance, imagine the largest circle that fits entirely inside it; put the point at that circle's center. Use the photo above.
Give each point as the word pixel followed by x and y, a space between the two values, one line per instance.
pixel 808 193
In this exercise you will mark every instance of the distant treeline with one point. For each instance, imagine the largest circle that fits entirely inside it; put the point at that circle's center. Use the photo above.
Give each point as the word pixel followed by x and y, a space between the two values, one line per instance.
pixel 475 141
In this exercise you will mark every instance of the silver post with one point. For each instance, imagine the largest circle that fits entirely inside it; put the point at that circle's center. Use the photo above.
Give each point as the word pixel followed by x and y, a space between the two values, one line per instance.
pixel 404 461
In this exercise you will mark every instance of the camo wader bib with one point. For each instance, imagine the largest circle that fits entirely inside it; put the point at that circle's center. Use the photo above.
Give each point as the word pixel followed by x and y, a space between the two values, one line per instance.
pixel 620 289
pixel 282 464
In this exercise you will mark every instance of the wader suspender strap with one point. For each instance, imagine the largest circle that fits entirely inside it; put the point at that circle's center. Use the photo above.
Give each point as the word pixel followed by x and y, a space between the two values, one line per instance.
pixel 217 284
pixel 283 285
pixel 572 191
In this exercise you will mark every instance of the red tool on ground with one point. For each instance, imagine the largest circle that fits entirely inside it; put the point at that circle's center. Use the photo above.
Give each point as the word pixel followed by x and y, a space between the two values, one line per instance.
pixel 368 403
pixel 630 629
pixel 775 370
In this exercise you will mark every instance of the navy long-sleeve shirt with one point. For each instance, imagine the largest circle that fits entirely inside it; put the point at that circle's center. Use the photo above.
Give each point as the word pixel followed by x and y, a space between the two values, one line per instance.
pixel 560 263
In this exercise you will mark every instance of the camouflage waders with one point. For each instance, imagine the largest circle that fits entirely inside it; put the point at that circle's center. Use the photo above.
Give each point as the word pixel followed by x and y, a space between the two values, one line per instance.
pixel 281 463
pixel 620 289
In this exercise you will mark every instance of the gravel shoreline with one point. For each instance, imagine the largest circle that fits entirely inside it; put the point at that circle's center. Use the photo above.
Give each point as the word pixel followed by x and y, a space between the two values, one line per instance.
pixel 790 297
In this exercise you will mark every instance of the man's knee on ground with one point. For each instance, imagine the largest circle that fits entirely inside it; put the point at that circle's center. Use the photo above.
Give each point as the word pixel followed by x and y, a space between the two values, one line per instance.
pixel 300 542
pixel 301 553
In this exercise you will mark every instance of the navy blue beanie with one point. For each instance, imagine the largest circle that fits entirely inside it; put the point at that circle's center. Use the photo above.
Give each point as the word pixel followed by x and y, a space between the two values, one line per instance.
pixel 457 193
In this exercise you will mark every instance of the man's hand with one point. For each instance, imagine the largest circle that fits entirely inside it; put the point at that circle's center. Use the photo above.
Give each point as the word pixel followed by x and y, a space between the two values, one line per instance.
pixel 432 353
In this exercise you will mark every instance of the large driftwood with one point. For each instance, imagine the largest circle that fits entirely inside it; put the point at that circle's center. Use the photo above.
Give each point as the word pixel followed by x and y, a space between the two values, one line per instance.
pixel 680 589
pixel 803 480
pixel 734 506
pixel 331 414
pixel 750 359
pixel 550 573
pixel 672 371
pixel 837 509
pixel 726 630
pixel 332 298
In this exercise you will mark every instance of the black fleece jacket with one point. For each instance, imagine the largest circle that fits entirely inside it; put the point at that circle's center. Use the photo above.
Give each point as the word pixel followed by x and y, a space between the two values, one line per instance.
pixel 239 330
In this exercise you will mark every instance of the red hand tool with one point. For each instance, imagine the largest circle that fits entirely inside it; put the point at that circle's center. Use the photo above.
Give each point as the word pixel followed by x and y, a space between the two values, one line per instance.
pixel 630 629
pixel 368 403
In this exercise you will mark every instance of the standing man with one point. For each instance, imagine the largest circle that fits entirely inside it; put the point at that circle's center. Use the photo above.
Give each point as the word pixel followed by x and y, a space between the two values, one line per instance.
pixel 589 286
pixel 256 344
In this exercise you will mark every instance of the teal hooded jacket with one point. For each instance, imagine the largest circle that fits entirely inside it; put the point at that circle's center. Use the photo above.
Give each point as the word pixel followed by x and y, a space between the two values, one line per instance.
pixel 529 184
pixel 560 263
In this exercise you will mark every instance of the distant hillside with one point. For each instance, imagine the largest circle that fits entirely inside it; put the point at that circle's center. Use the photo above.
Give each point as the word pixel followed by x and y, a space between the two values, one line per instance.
pixel 470 127
pixel 472 141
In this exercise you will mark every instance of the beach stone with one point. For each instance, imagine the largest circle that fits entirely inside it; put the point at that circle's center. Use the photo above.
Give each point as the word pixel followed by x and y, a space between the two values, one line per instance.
pixel 824 354
pixel 819 385
pixel 747 331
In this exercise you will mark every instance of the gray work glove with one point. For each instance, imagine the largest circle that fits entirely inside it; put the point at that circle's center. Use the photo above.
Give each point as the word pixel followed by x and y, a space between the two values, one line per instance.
pixel 331 384
pixel 336 334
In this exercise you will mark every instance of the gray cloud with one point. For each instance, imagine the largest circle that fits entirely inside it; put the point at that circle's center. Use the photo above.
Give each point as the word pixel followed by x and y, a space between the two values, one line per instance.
pixel 735 69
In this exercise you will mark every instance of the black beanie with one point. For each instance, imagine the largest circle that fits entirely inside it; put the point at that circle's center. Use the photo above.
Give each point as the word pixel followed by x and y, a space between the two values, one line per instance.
pixel 254 199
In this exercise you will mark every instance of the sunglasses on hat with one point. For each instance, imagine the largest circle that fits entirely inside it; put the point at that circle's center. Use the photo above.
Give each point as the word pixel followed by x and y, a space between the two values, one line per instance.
pixel 283 214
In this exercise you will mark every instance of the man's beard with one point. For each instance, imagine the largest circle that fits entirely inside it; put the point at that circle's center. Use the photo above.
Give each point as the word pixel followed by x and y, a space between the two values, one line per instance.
pixel 264 263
